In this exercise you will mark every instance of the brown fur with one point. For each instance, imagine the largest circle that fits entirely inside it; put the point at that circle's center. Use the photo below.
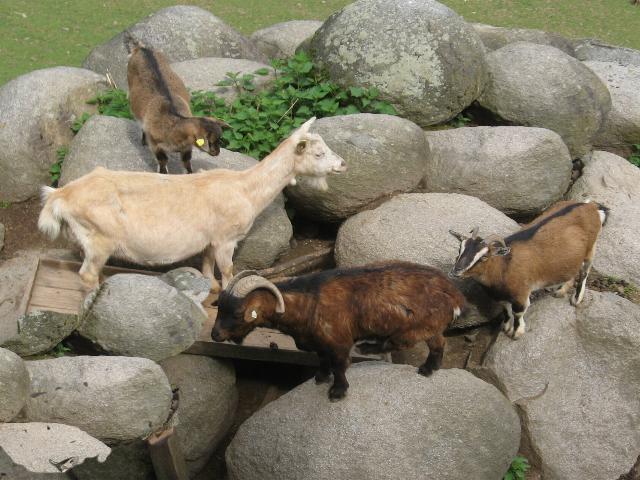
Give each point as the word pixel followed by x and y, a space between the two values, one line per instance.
pixel 557 253
pixel 160 102
pixel 394 304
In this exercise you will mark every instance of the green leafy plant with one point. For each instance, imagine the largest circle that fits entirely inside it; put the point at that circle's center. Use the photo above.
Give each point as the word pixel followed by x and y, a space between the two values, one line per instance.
pixel 260 120
pixel 56 169
pixel 518 469
pixel 60 350
pixel 461 120
pixel 635 156
pixel 5 204
pixel 79 122
pixel 113 103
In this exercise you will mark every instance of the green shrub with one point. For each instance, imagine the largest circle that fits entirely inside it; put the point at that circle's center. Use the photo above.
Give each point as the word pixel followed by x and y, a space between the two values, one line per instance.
pixel 56 169
pixel 79 122
pixel 518 469
pixel 635 156
pixel 259 121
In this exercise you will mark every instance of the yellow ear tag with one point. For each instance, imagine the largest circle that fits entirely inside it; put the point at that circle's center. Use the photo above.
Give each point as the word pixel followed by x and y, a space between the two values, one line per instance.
pixel 200 142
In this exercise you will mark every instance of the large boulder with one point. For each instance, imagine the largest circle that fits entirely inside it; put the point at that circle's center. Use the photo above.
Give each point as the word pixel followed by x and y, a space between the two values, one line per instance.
pixel 111 398
pixel 622 126
pixel 282 39
pixel 575 377
pixel 180 32
pixel 423 57
pixel 115 143
pixel 415 227
pixel 14 385
pixel 393 424
pixel 49 447
pixel 142 316
pixel 11 470
pixel 541 86
pixel 518 170
pixel 36 113
pixel 205 74
pixel 614 182
pixel 373 146
pixel 40 331
pixel 494 38
pixel 595 50
pixel 208 399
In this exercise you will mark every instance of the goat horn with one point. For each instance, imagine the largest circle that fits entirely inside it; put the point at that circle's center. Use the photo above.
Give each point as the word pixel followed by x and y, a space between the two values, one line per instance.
pixel 238 277
pixel 250 283
pixel 495 238
pixel 474 232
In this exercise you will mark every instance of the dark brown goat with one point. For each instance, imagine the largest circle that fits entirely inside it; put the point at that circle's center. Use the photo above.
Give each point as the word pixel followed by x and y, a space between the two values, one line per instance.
pixel 160 103
pixel 388 306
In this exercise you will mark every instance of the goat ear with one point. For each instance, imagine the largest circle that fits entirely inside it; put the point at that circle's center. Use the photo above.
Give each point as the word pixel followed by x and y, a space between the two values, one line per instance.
pixel 498 250
pixel 220 122
pixel 301 146
pixel 459 236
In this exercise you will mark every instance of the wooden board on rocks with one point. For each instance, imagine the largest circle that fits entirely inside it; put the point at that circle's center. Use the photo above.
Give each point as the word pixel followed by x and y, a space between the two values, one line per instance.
pixel 56 286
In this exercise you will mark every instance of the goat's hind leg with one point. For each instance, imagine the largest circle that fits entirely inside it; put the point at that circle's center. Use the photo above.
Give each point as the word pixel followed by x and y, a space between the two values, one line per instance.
pixel 94 260
pixel 224 259
pixel 186 160
pixel 581 284
pixel 519 309
pixel 208 267
pixel 339 363
pixel 434 359
pixel 323 375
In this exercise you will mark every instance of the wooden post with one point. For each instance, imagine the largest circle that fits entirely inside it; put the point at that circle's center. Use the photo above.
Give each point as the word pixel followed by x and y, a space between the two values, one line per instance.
pixel 166 456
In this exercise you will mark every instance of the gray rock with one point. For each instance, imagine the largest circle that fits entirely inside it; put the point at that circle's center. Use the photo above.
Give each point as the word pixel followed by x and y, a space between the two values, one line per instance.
pixel 140 316
pixel 415 228
pixel 424 58
pixel 189 281
pixel 373 146
pixel 494 38
pixel 208 400
pixel 130 461
pixel 622 125
pixel 205 74
pixel 541 86
pixel 14 385
pixel 15 276
pixel 115 144
pixel 518 170
pixel 40 331
pixel 111 398
pixel 40 446
pixel 10 470
pixel 2 229
pixel 393 424
pixel 180 32
pixel 595 50
pixel 614 182
pixel 282 39
pixel 36 112
pixel 575 377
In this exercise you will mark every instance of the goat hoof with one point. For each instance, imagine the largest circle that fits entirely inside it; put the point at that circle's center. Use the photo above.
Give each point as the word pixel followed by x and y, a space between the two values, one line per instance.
pixel 425 371
pixel 337 393
pixel 574 301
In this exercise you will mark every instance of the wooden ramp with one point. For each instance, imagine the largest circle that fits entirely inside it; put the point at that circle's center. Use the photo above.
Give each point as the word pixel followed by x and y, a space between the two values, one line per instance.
pixel 56 286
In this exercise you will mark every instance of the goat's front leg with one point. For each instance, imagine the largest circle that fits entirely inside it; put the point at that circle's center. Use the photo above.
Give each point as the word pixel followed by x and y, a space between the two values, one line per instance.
pixel 507 325
pixel 434 360
pixel 162 159
pixel 519 309
pixel 208 267
pixel 186 160
pixel 339 363
pixel 224 259
pixel 323 375
pixel 95 258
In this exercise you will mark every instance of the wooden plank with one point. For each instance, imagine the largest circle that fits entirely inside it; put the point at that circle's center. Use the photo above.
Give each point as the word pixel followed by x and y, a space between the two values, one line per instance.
pixel 56 299
pixel 166 456
pixel 26 297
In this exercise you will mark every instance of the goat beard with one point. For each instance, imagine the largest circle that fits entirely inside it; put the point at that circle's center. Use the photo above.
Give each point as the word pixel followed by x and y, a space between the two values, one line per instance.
pixel 319 183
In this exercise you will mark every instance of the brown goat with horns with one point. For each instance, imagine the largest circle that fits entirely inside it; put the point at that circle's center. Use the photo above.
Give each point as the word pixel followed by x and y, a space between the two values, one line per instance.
pixel 387 306
pixel 554 249
pixel 160 103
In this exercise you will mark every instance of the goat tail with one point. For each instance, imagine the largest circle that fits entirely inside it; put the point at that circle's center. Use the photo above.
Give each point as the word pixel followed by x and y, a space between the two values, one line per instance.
pixel 604 214
pixel 50 220
pixel 131 43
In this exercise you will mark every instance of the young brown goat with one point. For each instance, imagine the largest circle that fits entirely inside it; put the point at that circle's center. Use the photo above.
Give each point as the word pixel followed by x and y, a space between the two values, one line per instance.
pixel 389 306
pixel 554 249
pixel 160 103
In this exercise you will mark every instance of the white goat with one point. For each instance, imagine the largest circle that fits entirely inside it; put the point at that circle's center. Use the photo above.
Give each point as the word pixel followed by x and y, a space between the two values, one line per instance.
pixel 150 218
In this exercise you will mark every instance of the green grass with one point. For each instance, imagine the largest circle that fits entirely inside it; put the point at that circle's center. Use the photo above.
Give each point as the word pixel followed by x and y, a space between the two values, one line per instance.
pixel 45 33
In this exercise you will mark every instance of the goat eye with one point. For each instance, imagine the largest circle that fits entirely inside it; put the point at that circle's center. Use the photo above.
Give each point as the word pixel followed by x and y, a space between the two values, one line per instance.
pixel 320 155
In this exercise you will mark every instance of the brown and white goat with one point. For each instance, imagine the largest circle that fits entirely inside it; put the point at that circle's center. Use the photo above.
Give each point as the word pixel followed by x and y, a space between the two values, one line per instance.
pixel 160 103
pixel 388 306
pixel 554 249
pixel 160 219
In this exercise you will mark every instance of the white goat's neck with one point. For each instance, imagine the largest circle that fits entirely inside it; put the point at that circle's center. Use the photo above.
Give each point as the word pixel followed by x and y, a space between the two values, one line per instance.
pixel 267 179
